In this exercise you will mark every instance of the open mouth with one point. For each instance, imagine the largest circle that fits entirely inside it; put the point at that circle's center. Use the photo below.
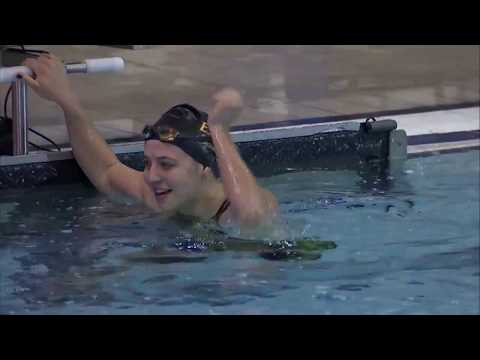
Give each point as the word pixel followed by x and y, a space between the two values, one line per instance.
pixel 161 195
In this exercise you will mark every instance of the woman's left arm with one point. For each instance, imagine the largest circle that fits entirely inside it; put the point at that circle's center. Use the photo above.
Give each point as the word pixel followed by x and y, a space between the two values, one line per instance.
pixel 251 205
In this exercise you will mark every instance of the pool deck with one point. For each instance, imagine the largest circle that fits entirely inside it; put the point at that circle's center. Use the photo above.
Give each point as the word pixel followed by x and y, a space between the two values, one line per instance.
pixel 279 83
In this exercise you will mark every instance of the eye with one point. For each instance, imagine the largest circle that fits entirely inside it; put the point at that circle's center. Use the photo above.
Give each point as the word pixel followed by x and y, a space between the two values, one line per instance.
pixel 166 165
pixel 146 163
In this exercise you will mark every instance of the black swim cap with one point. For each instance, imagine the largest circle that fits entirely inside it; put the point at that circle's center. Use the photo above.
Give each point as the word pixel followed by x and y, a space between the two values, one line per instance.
pixel 186 127
pixel 185 118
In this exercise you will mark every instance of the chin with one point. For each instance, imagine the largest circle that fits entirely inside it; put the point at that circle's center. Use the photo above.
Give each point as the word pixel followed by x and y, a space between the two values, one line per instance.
pixel 165 210
pixel 164 205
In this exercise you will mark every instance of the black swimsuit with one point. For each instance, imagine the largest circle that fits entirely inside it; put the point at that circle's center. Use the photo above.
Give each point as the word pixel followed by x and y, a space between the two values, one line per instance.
pixel 223 208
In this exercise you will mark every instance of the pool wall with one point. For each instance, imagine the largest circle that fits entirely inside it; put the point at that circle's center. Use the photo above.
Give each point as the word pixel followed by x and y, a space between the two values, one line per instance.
pixel 329 143
pixel 267 152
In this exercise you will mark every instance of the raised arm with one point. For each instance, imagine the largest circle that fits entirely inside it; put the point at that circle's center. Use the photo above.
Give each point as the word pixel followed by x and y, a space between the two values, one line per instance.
pixel 91 151
pixel 251 204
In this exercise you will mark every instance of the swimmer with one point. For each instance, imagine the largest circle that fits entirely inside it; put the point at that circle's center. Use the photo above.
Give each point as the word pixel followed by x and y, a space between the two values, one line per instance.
pixel 192 166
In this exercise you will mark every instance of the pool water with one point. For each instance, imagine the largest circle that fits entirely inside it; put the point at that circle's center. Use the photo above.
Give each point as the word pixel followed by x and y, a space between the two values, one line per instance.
pixel 407 246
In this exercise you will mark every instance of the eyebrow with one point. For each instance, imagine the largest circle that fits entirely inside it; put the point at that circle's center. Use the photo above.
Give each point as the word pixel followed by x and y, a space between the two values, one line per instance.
pixel 160 158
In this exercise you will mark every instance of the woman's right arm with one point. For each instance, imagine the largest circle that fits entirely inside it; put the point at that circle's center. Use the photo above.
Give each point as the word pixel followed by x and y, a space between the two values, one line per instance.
pixel 91 151
pixel 97 159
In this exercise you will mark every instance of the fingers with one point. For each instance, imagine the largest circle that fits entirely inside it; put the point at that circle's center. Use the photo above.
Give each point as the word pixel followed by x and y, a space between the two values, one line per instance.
pixel 218 108
pixel 50 59
pixel 53 57
pixel 39 66
pixel 45 62
pixel 32 64
pixel 44 59
pixel 30 81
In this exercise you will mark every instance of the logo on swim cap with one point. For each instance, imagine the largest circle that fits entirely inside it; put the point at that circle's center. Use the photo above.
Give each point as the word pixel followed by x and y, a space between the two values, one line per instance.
pixel 181 121
pixel 187 119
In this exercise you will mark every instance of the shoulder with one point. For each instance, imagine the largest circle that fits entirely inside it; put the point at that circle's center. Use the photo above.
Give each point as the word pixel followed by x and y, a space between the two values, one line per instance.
pixel 253 216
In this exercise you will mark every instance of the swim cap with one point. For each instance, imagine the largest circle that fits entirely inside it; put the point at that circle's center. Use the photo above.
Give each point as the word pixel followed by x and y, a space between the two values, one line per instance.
pixel 186 127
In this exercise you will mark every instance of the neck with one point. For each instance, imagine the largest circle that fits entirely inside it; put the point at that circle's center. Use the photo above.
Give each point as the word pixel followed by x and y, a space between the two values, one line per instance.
pixel 209 200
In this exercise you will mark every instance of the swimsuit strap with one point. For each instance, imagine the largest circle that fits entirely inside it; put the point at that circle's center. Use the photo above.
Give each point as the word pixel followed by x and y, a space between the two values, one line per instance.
pixel 224 207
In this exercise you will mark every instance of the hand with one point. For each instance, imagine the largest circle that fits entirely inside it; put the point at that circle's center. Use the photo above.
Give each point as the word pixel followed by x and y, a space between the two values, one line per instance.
pixel 50 79
pixel 228 106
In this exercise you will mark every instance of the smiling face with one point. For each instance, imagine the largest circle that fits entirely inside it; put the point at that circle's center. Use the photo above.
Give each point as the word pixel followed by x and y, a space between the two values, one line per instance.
pixel 174 177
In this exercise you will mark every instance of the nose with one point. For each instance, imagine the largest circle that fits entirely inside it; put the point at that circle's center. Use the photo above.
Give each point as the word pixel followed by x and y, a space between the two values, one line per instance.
pixel 153 175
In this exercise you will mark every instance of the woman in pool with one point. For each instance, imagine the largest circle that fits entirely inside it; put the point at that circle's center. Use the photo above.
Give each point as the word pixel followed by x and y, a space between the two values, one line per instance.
pixel 185 152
